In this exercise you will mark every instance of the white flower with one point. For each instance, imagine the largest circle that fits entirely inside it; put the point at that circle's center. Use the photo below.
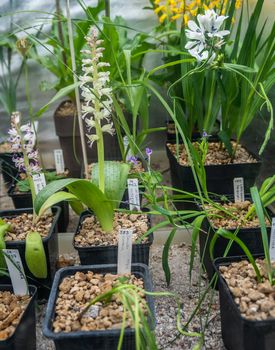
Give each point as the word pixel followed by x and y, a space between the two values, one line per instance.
pixel 205 38
pixel 95 89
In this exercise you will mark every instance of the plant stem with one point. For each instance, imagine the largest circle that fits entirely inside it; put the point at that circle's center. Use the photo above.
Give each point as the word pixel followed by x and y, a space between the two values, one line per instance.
pixel 100 156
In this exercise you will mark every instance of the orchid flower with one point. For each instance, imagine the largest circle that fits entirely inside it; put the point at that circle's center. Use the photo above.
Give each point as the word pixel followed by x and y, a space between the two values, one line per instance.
pixel 206 38
pixel 98 101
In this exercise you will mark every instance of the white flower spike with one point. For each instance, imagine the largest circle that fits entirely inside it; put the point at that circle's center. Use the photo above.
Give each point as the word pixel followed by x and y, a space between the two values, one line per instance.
pixel 97 106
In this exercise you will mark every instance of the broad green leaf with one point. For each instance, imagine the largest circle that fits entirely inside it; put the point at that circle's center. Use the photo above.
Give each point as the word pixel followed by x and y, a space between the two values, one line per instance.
pixel 56 198
pixel 61 93
pixel 88 193
pixel 116 174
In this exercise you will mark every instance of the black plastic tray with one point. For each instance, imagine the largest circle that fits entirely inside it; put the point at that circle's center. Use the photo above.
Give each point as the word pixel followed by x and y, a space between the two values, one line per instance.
pixel 94 340
pixel 50 244
pixel 96 255
pixel 24 336
pixel 238 333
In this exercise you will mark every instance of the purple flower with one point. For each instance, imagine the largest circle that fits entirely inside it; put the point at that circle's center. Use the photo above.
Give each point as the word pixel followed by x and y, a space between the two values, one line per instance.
pixel 148 151
pixel 133 160
pixel 204 134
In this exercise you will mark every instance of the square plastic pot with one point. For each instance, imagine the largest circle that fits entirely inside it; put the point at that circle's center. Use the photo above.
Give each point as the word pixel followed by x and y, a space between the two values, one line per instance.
pixel 238 333
pixel 50 244
pixel 219 177
pixel 24 336
pixel 96 255
pixel 94 340
pixel 251 237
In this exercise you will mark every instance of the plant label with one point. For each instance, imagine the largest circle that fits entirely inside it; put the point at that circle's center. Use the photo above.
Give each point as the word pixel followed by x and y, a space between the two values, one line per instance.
pixel 59 161
pixel 238 184
pixel 124 256
pixel 126 145
pixel 133 194
pixel 39 182
pixel 16 271
pixel 272 241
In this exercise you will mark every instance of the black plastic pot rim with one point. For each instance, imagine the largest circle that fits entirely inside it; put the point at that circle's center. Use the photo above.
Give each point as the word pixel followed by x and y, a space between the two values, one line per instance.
pixel 85 334
pixel 219 262
pixel 33 291
pixel 103 247
pixel 17 212
pixel 217 165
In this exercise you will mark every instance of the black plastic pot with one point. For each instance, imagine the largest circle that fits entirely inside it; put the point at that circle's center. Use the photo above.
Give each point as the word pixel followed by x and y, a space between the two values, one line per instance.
pixel 251 237
pixel 238 333
pixel 219 177
pixel 96 255
pixel 24 336
pixel 9 171
pixel 50 244
pixel 69 135
pixel 94 340
pixel 24 200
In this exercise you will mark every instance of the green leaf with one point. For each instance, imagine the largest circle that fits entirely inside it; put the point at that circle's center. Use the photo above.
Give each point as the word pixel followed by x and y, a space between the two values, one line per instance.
pixel 86 192
pixel 61 93
pixel 35 255
pixel 56 198
pixel 165 255
pixel 240 67
pixel 225 138
pixel 116 174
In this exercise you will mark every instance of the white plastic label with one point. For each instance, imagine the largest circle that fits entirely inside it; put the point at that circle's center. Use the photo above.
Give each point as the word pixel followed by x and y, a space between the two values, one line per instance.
pixel 39 182
pixel 133 194
pixel 124 258
pixel 126 144
pixel 59 161
pixel 238 184
pixel 16 271
pixel 272 241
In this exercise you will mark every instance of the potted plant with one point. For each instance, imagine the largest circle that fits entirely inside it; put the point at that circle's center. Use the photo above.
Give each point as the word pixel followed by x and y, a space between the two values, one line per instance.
pixel 246 286
pixel 34 236
pixel 238 218
pixel 18 329
pixel 110 312
pixel 216 68
pixel 108 178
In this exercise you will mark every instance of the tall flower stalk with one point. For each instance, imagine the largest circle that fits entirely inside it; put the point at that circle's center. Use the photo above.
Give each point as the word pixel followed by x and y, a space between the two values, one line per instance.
pixel 98 102
pixel 22 139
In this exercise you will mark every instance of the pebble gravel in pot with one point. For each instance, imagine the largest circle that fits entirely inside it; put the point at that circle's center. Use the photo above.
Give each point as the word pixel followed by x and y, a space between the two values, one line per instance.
pixel 21 223
pixel 17 319
pixel 100 326
pixel 247 306
pixel 249 232
pixel 95 246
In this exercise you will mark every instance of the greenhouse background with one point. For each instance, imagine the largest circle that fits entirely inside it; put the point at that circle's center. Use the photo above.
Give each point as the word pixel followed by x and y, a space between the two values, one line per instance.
pixel 137 18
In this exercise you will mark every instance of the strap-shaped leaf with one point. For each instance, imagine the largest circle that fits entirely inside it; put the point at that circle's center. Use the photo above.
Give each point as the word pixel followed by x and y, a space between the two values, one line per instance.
pixel 116 174
pixel 88 193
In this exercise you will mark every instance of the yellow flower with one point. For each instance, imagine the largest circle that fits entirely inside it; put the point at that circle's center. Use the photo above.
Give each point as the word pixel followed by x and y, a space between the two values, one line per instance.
pixel 175 17
pixel 185 19
pixel 238 4
pixel 160 8
pixel 163 17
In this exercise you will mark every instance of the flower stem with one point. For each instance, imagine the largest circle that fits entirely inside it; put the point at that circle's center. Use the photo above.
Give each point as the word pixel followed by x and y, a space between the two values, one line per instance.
pixel 100 156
